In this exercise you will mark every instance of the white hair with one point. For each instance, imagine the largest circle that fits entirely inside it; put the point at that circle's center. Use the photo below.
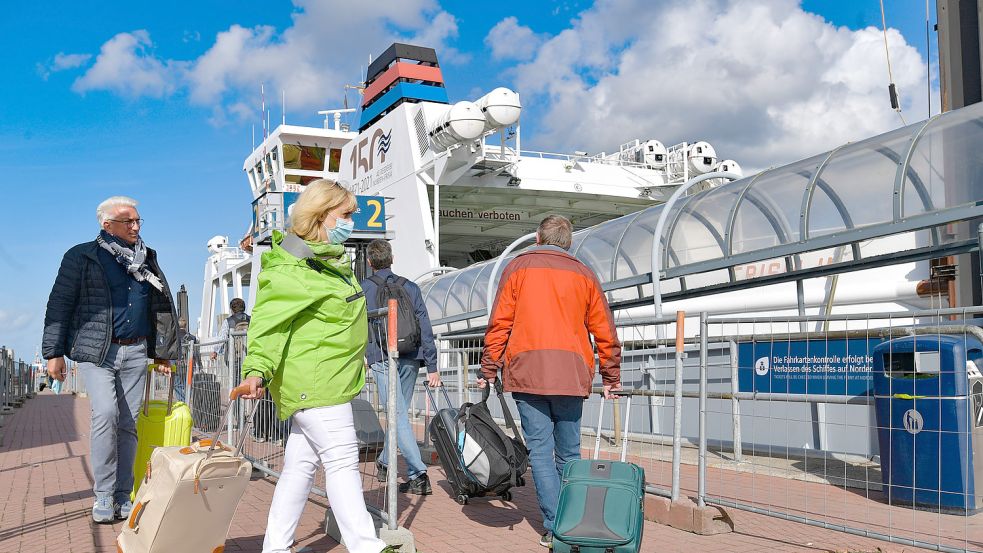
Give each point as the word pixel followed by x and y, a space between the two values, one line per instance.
pixel 105 210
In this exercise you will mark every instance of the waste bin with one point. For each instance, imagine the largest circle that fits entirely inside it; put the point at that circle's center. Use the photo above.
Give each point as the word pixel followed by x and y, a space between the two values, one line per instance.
pixel 928 395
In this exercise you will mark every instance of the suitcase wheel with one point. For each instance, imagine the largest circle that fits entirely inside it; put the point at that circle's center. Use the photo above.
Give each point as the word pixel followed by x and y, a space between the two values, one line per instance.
pixel 506 495
pixel 520 481
pixel 462 499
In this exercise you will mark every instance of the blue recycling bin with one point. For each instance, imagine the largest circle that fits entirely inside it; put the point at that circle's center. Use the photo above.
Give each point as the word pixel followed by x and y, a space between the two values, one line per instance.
pixel 928 395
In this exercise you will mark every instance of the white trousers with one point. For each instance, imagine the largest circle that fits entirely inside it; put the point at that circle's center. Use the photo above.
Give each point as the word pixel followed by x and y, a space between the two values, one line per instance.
pixel 324 435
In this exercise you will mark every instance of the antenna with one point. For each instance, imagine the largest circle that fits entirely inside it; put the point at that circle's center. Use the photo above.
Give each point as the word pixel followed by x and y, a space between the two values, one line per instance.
pixel 283 106
pixel 262 93
pixel 254 136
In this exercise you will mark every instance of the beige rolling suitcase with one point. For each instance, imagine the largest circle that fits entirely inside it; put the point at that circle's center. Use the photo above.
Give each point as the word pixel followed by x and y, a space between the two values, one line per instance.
pixel 188 497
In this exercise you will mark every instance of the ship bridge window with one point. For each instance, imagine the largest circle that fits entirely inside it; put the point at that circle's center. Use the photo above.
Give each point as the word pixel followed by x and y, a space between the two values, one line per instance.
pixel 307 158
pixel 334 160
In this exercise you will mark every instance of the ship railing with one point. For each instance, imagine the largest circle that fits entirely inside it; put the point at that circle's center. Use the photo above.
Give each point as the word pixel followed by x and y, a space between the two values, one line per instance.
pixel 573 158
pixel 800 436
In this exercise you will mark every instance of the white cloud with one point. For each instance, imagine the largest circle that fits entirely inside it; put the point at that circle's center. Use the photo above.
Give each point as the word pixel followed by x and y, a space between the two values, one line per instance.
pixel 62 62
pixel 762 80
pixel 441 30
pixel 11 321
pixel 509 40
pixel 126 66
pixel 326 46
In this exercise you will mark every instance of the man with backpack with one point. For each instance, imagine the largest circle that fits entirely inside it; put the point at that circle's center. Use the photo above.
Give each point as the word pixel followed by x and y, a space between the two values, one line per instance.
pixel 415 345
pixel 237 321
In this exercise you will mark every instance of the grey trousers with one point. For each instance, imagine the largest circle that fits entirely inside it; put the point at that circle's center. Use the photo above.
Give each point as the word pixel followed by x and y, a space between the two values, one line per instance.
pixel 115 391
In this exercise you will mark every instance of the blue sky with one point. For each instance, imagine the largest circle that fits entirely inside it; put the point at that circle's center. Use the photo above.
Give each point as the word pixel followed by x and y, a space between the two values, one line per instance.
pixel 170 121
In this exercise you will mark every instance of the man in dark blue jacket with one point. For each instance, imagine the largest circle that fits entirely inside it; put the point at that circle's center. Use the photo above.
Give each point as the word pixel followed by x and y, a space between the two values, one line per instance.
pixel 110 310
pixel 380 257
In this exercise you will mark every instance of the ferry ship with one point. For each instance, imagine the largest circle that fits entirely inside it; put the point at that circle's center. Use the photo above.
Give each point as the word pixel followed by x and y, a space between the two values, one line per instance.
pixel 447 183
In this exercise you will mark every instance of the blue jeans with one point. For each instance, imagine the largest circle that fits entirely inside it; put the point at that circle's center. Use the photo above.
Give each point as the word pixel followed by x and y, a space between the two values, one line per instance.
pixel 409 369
pixel 115 391
pixel 551 425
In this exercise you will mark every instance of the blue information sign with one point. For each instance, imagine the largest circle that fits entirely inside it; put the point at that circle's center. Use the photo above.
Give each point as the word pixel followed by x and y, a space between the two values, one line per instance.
pixel 371 214
pixel 834 367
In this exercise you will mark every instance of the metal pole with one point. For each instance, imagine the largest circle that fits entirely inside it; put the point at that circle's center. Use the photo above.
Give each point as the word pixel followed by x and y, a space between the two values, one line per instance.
pixel 677 407
pixel 735 403
pixel 393 384
pixel 979 238
pixel 462 380
pixel 229 426
pixel 436 224
pixel 701 486
pixel 616 411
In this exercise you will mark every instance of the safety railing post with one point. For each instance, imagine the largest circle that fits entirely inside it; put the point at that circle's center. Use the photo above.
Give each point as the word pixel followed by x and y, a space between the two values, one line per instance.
pixel 230 379
pixel 677 407
pixel 702 466
pixel 392 388
pixel 462 379
pixel 735 403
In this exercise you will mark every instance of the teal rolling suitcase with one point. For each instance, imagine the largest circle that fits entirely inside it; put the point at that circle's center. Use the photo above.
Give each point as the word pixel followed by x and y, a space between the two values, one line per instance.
pixel 601 503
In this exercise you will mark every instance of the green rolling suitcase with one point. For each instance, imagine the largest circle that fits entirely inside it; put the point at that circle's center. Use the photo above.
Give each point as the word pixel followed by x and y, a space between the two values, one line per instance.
pixel 601 503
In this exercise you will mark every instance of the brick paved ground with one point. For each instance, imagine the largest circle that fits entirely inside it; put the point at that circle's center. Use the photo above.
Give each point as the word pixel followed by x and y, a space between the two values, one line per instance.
pixel 45 493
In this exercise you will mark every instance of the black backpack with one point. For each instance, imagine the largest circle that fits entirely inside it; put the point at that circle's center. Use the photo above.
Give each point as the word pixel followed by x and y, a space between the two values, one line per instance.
pixel 494 459
pixel 238 322
pixel 407 326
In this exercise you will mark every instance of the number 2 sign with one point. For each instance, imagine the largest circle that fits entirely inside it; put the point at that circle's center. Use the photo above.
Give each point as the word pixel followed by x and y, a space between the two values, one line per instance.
pixel 371 214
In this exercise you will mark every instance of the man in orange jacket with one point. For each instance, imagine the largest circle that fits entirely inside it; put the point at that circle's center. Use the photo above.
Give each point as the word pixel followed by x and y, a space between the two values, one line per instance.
pixel 547 303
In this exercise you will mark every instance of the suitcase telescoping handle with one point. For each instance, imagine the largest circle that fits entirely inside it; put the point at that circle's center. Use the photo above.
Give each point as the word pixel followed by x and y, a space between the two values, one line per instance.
pixel 146 390
pixel 236 393
pixel 433 400
pixel 600 418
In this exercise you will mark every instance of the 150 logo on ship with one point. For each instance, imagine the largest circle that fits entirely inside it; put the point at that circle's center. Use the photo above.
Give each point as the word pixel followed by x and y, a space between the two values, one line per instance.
pixel 364 154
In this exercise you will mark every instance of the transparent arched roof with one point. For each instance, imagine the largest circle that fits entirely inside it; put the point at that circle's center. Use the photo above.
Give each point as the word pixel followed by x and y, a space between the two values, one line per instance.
pixel 912 179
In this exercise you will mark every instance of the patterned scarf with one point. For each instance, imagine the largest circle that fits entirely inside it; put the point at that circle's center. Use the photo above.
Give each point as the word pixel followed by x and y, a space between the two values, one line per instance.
pixel 132 259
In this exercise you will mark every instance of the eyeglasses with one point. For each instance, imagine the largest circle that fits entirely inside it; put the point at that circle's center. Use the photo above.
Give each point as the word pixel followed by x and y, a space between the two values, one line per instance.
pixel 128 222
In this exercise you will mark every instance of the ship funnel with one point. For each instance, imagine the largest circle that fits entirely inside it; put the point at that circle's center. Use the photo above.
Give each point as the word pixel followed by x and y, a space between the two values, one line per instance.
pixel 500 107
pixel 459 123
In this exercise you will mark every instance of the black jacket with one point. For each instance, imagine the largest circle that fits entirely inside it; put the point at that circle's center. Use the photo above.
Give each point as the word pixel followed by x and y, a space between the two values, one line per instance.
pixel 78 322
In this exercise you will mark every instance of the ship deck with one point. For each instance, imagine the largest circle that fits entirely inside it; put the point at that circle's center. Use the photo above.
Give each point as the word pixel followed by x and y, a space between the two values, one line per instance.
pixel 46 491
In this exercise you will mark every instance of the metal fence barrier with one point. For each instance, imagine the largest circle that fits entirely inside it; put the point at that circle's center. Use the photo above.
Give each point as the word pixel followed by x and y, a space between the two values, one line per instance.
pixel 18 381
pixel 779 416
pixel 215 368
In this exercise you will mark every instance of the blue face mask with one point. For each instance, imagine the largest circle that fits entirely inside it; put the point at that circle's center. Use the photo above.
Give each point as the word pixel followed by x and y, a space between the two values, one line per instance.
pixel 341 231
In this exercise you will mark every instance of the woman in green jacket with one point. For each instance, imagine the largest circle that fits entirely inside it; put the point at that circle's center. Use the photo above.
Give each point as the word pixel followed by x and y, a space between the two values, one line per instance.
pixel 306 342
